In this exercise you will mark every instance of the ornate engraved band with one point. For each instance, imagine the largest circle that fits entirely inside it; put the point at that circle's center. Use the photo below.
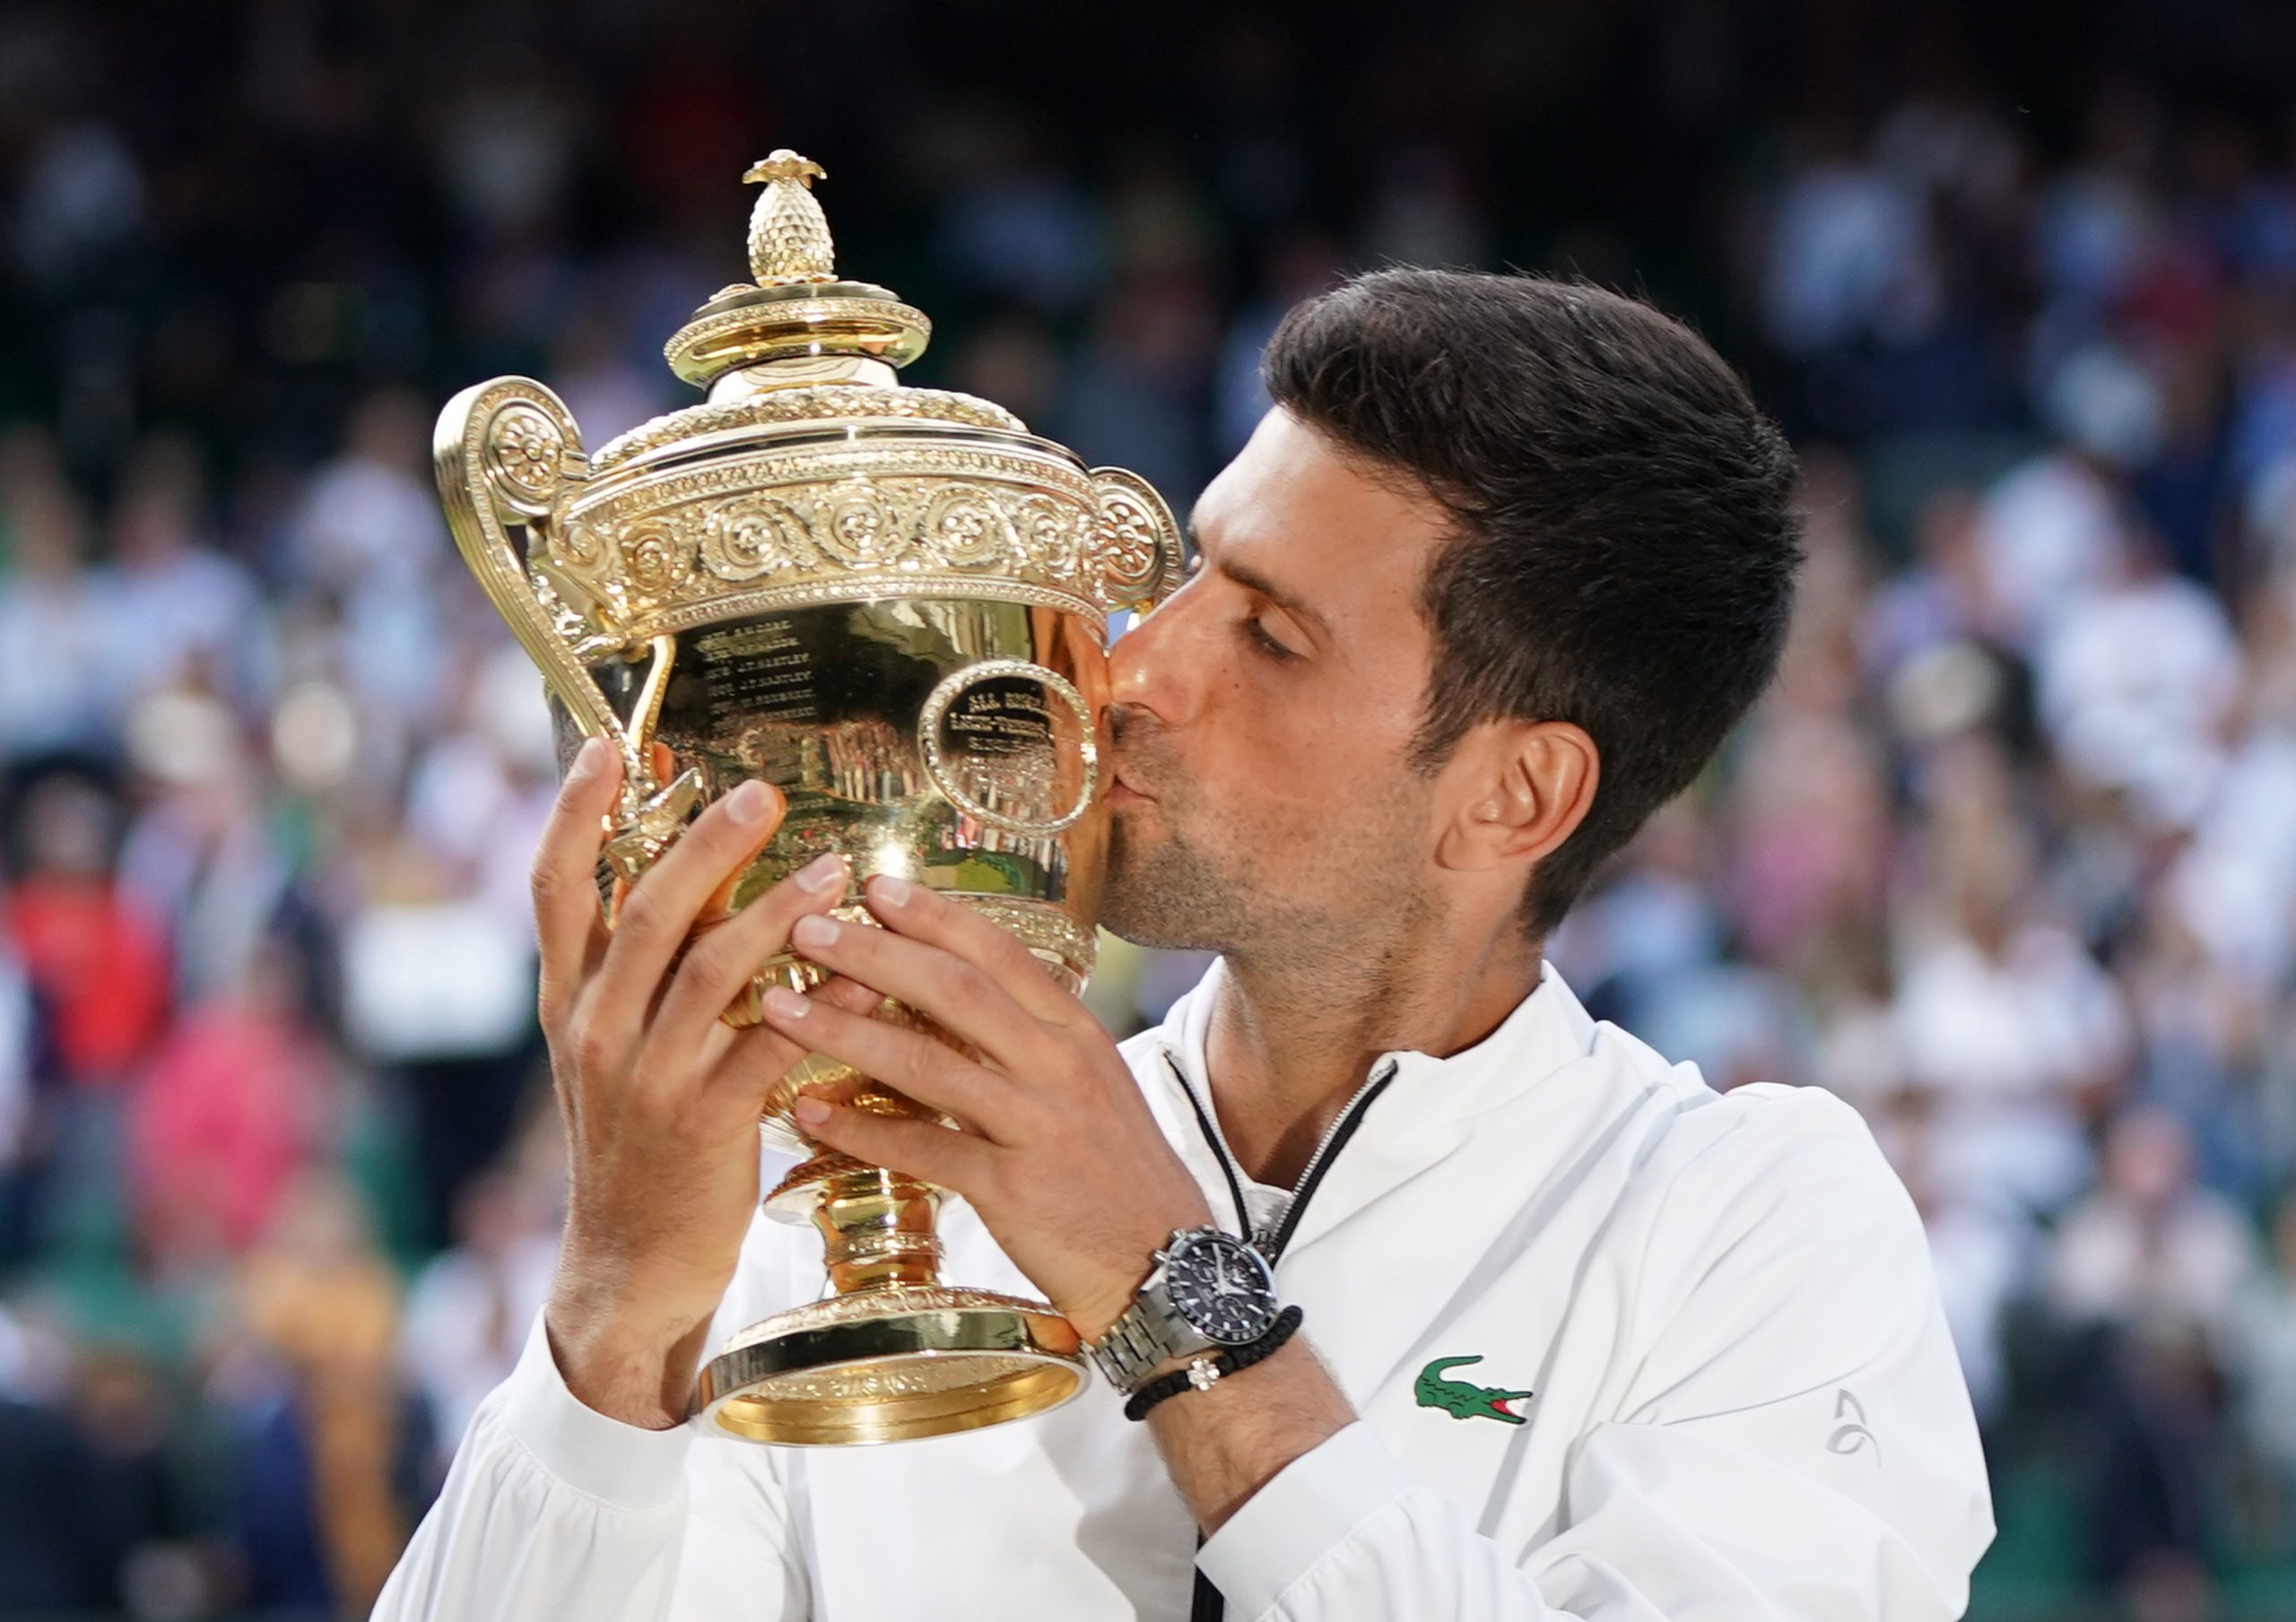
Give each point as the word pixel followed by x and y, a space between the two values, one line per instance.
pixel 1047 932
pixel 820 522
pixel 830 404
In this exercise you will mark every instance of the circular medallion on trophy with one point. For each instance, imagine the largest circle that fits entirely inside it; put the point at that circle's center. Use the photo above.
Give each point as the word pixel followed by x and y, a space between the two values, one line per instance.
pixel 1011 744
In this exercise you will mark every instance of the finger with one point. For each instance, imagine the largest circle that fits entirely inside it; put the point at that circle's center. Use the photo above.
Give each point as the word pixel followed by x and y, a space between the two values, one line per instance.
pixel 938 984
pixel 908 1062
pixel 716 967
pixel 839 991
pixel 752 1062
pixel 954 1160
pixel 912 910
pixel 657 915
pixel 569 928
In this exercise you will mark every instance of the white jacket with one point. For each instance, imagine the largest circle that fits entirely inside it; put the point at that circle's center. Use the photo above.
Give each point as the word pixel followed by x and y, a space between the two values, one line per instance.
pixel 1744 1402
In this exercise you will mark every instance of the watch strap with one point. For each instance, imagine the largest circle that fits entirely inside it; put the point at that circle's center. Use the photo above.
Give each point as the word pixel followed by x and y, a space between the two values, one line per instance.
pixel 1205 1373
pixel 1129 1351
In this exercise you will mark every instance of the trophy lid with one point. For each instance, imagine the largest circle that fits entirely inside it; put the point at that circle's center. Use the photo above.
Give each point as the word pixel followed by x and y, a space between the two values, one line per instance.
pixel 809 475
pixel 797 323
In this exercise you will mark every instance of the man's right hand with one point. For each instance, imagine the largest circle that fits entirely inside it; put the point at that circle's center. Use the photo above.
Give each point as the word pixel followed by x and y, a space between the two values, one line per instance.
pixel 660 1097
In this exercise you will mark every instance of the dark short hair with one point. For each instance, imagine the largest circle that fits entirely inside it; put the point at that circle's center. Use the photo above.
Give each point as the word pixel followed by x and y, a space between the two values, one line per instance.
pixel 1626 541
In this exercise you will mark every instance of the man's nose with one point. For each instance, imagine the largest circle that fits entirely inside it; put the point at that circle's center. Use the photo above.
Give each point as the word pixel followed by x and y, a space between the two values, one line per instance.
pixel 1151 666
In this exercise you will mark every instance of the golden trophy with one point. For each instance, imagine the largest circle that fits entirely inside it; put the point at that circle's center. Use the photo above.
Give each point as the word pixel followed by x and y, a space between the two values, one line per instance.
pixel 891 605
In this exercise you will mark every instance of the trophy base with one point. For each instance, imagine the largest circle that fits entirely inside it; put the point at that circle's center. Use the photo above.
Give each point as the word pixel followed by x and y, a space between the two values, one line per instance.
pixel 891 1365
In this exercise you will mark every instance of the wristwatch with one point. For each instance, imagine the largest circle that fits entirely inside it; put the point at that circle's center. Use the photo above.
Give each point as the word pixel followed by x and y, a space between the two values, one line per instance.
pixel 1208 1290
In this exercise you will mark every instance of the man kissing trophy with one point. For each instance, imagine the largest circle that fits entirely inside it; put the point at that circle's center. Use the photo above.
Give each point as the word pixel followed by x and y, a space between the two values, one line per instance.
pixel 1422 1291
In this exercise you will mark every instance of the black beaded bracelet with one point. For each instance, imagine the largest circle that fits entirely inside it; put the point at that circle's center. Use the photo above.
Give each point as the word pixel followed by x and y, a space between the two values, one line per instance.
pixel 1207 1371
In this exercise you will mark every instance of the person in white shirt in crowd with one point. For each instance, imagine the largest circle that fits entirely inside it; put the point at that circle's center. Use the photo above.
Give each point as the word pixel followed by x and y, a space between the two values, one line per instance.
pixel 56 687
pixel 187 614
pixel 2152 727
pixel 2004 1023
pixel 368 534
pixel 1582 1337
pixel 2153 1251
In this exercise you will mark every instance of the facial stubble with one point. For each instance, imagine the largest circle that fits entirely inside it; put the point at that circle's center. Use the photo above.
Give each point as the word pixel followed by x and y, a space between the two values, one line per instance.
pixel 1331 900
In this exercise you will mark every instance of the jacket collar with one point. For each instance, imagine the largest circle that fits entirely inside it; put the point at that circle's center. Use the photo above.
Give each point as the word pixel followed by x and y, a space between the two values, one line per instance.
pixel 1420 1117
pixel 1546 1031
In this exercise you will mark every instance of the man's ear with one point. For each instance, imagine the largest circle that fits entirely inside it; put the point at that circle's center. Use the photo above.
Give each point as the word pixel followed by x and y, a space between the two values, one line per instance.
pixel 1526 786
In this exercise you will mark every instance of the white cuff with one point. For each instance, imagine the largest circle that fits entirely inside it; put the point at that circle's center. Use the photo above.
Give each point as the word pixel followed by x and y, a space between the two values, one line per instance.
pixel 1304 1513
pixel 621 1465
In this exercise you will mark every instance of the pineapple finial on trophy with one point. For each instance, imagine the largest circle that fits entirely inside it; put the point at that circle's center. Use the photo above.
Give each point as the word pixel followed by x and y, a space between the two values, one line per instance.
pixel 789 240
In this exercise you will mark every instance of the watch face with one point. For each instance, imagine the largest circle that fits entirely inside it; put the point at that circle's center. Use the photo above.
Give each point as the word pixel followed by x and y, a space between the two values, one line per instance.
pixel 1221 1287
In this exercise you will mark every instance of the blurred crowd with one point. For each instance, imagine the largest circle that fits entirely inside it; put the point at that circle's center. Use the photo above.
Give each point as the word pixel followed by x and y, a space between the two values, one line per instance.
pixel 2007 857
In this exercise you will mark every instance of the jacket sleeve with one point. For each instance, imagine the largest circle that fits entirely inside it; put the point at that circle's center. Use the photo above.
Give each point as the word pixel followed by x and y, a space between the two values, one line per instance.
pixel 553 1512
pixel 1794 1444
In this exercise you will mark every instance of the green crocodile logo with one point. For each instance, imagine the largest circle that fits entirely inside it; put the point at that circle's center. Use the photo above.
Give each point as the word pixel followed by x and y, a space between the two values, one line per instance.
pixel 1461 1400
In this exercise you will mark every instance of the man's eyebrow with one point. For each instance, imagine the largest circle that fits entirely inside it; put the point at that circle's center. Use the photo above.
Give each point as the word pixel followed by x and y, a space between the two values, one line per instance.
pixel 1252 580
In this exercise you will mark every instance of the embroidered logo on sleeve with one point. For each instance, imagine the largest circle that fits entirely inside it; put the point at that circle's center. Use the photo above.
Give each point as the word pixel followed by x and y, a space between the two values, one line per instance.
pixel 1853 1436
pixel 1461 1400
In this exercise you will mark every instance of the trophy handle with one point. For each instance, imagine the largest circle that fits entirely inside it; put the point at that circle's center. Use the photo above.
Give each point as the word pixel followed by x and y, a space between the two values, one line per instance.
pixel 1138 556
pixel 506 453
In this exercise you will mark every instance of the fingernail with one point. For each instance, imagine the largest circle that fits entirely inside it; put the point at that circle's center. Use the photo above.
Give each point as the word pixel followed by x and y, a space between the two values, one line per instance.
pixel 749 805
pixel 783 1004
pixel 890 891
pixel 814 930
pixel 809 1112
pixel 822 873
pixel 588 760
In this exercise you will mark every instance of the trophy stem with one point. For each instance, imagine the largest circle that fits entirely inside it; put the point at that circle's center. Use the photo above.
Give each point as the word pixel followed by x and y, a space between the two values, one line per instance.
pixel 876 1225
pixel 892 1353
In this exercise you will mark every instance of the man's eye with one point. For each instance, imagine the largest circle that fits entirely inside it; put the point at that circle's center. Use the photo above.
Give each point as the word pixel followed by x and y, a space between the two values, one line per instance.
pixel 1265 643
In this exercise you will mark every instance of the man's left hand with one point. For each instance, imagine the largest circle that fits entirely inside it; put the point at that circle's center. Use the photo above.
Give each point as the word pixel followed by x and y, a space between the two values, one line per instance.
pixel 1055 1147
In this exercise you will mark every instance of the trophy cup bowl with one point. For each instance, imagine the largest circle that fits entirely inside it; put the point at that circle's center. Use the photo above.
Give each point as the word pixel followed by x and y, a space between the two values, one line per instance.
pixel 891 605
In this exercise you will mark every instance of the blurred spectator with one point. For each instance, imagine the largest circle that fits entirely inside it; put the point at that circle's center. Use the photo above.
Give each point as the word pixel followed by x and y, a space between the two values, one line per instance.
pixel 326 1443
pixel 369 537
pixel 229 1113
pixel 471 1309
pixel 2151 727
pixel 1981 1255
pixel 1941 598
pixel 92 955
pixel 53 1559
pixel 1848 253
pixel 2010 1030
pixel 2265 1350
pixel 204 857
pixel 2152 1270
pixel 194 614
pixel 58 625
pixel 17 1034
pixel 2046 532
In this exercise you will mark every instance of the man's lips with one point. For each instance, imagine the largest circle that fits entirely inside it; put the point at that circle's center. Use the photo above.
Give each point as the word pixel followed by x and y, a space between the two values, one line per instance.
pixel 1122 790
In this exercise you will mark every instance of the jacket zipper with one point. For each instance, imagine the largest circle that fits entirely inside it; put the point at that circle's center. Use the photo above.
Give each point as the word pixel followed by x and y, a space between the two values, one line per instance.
pixel 1334 1138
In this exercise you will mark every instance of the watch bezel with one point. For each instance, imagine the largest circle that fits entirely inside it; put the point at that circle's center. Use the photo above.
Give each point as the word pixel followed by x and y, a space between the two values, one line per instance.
pixel 1188 1253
